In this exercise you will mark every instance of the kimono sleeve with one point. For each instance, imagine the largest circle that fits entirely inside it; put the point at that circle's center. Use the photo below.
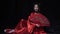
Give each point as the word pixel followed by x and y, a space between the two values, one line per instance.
pixel 44 21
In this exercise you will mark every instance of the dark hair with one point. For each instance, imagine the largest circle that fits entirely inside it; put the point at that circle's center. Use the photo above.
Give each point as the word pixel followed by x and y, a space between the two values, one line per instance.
pixel 36 3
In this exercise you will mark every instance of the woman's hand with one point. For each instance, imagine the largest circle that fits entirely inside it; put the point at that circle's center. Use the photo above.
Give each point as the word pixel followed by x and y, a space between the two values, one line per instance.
pixel 9 30
pixel 37 25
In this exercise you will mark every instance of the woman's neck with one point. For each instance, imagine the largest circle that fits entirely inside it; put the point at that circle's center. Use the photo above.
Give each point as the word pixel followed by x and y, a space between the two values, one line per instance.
pixel 36 11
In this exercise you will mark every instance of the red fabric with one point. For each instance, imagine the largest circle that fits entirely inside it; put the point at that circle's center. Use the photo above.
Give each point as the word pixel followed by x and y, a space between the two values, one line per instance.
pixel 25 26
pixel 39 19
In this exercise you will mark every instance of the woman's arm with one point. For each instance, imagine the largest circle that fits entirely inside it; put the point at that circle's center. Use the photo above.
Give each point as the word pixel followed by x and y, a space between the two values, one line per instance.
pixel 21 30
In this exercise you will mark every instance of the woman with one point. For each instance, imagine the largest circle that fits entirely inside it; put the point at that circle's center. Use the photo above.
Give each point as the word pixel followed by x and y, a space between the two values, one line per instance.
pixel 37 19
pixel 34 25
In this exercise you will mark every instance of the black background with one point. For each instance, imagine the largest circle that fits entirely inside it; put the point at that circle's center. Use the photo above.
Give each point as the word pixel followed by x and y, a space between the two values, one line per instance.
pixel 14 10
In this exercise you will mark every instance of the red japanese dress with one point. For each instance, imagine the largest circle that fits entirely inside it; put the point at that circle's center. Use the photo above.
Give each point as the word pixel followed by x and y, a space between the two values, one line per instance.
pixel 29 27
pixel 21 28
pixel 37 18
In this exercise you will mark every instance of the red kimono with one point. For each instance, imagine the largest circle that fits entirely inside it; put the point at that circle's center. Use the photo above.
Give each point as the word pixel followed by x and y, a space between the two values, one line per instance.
pixel 29 27
pixel 40 19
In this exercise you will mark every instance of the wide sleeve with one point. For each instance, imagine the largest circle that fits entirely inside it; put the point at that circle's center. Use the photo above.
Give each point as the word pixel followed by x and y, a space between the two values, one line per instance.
pixel 44 20
pixel 21 26
pixel 22 23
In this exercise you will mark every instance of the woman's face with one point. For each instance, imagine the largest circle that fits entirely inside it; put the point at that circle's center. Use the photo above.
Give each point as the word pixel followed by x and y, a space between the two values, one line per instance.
pixel 36 7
